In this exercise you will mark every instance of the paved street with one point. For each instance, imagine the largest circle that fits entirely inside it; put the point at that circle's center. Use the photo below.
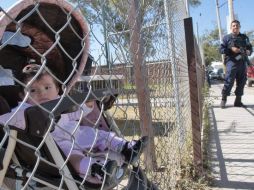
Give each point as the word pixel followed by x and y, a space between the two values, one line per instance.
pixel 232 141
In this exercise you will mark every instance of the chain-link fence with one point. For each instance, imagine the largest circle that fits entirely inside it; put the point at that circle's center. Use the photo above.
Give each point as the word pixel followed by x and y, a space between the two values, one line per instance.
pixel 137 55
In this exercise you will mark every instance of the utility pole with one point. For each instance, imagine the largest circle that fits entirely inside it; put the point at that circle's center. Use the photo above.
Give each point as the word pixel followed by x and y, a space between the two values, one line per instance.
pixel 198 35
pixel 187 8
pixel 231 11
pixel 219 28
pixel 218 19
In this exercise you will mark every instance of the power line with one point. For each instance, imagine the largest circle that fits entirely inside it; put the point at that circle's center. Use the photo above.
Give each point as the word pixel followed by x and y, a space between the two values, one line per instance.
pixel 223 4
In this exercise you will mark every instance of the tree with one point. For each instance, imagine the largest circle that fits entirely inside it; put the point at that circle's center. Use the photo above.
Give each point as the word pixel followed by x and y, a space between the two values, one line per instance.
pixel 211 44
pixel 195 3
pixel 113 14
pixel 111 17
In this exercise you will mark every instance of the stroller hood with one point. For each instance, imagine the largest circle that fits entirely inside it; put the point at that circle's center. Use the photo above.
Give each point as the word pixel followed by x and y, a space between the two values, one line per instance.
pixel 51 32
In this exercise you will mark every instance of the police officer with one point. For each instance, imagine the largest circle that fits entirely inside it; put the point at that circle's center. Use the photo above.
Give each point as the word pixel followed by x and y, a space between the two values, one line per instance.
pixel 237 48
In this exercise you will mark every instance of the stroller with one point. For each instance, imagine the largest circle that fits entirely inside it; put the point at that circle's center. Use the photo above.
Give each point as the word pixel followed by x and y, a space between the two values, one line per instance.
pixel 56 35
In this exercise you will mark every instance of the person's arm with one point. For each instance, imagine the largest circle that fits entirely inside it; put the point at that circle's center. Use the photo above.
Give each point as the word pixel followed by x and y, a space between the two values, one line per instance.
pixel 224 47
pixel 248 47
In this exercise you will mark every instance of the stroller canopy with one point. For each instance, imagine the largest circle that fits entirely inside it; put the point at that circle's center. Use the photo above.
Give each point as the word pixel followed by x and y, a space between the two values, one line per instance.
pixel 51 32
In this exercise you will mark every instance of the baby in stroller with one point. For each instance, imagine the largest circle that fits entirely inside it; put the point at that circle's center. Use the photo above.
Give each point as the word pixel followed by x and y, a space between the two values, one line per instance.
pixel 43 87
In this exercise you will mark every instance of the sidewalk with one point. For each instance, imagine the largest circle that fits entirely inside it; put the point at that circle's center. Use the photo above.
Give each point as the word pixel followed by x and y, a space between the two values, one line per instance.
pixel 232 141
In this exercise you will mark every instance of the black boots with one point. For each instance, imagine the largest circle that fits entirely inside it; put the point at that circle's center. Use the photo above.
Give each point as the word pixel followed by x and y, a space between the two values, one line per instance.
pixel 223 101
pixel 133 153
pixel 238 102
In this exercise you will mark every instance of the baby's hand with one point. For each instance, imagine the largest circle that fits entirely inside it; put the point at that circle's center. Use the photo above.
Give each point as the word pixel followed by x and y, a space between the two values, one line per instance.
pixel 90 104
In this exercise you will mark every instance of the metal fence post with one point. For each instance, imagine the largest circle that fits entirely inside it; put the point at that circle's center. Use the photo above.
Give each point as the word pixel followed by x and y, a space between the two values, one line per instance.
pixel 194 96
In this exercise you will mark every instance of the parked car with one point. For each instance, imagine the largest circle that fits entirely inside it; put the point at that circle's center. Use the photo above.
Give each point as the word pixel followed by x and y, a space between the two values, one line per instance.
pixel 216 70
pixel 216 73
pixel 250 75
pixel 213 75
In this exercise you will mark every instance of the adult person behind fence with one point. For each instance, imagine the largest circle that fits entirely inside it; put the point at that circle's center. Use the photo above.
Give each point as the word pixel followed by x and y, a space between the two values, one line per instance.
pixel 237 48
pixel 45 88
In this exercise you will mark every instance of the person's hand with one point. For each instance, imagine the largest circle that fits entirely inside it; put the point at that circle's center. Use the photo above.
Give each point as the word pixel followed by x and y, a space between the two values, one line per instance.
pixel 248 52
pixel 90 104
pixel 235 50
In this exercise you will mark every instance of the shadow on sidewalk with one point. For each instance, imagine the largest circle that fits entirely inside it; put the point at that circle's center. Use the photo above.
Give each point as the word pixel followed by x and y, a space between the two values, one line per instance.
pixel 227 161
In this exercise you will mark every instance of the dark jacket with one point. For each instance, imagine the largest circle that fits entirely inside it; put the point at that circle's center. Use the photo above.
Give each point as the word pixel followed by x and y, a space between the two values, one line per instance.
pixel 241 41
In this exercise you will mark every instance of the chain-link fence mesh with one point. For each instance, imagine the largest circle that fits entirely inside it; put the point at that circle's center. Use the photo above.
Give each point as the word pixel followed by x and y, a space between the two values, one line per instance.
pixel 163 79
pixel 138 48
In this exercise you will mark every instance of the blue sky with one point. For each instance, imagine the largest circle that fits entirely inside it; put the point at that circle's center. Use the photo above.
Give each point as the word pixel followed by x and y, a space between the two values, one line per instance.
pixel 205 15
pixel 6 3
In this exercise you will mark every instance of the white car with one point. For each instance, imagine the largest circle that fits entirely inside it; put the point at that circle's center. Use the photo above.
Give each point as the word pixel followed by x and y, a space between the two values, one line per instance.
pixel 216 74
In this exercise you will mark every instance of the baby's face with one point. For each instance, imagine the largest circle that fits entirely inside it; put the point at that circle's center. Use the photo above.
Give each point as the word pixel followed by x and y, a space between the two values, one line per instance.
pixel 43 90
